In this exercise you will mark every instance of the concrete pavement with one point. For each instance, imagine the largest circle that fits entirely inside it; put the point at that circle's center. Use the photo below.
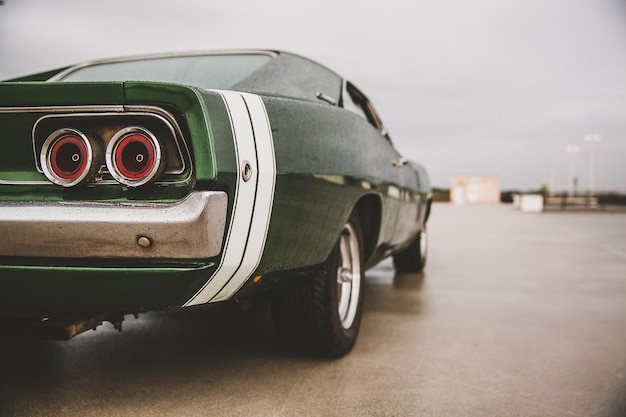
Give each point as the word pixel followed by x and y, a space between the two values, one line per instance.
pixel 516 315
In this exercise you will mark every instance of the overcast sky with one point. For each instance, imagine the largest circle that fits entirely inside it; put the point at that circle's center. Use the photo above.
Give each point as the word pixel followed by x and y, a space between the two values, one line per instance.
pixel 465 87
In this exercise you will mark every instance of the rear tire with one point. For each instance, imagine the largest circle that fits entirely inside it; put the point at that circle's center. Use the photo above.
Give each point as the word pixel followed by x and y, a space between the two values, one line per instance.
pixel 321 313
pixel 413 258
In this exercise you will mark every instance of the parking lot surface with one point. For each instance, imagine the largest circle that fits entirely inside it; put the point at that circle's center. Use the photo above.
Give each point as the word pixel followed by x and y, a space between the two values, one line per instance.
pixel 516 315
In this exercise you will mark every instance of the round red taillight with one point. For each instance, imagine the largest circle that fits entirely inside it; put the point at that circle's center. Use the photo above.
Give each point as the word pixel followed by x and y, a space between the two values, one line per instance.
pixel 69 158
pixel 134 156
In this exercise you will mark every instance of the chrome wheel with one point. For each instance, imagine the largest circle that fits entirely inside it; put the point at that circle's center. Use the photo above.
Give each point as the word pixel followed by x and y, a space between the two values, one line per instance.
pixel 348 276
pixel 321 312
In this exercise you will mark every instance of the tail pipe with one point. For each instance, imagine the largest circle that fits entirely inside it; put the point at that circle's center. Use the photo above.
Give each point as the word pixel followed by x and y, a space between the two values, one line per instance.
pixel 67 327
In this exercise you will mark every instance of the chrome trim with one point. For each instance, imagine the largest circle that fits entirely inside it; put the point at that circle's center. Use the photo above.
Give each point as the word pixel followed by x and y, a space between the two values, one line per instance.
pixel 192 228
pixel 102 111
pixel 176 131
pixel 57 109
pixel 94 158
pixel 132 111
pixel 112 148
pixel 4 182
pixel 400 162
pixel 246 171
pixel 67 71
pixel 325 97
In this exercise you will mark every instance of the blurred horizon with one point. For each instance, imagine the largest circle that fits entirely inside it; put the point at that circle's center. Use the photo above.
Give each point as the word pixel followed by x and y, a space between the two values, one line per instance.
pixel 477 88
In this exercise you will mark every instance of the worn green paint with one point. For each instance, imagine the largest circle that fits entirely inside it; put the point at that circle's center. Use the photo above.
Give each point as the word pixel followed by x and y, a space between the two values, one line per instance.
pixel 50 289
pixel 58 287
pixel 61 94
pixel 321 176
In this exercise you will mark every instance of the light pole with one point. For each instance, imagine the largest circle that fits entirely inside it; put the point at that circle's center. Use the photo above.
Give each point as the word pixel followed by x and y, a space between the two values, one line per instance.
pixel 572 150
pixel 592 139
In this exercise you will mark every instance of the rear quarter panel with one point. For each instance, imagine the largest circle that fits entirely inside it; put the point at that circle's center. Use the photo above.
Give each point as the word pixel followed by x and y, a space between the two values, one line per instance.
pixel 327 159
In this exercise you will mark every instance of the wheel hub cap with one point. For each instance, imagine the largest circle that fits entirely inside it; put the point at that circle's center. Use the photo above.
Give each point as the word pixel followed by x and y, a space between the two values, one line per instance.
pixel 344 275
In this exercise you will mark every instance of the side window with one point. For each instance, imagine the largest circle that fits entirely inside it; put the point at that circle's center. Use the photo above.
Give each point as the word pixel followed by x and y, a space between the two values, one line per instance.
pixel 355 101
pixel 354 106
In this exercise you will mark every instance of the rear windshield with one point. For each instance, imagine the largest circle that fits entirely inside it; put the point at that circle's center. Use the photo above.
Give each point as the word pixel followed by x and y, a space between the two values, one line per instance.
pixel 204 71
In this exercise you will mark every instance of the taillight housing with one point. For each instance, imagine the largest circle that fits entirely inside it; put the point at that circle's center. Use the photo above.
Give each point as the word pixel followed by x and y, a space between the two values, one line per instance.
pixel 104 147
pixel 68 157
pixel 134 156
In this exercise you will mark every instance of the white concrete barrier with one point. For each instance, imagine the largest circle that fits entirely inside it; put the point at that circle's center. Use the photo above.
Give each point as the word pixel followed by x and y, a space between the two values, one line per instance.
pixel 531 203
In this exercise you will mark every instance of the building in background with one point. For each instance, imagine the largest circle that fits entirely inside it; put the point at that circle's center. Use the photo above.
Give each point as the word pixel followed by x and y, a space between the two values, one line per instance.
pixel 475 189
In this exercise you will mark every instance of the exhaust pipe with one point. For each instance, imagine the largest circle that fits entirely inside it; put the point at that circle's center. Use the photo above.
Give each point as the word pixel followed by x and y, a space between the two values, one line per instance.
pixel 65 328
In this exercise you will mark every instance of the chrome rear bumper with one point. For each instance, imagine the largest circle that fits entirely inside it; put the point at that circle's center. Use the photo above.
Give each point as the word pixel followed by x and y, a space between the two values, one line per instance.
pixel 192 228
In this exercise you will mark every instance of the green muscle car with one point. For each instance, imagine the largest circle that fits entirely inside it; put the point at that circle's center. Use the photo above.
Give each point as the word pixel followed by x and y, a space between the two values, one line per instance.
pixel 158 182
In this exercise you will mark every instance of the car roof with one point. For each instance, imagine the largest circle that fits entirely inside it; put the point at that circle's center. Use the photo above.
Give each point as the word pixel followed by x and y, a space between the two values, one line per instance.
pixel 285 75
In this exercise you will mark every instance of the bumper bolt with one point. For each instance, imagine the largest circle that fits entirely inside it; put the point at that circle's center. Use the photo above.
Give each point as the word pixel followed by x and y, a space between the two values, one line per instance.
pixel 144 242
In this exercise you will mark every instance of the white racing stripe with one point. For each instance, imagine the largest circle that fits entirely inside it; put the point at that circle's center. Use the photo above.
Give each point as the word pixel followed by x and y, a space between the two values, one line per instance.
pixel 252 200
